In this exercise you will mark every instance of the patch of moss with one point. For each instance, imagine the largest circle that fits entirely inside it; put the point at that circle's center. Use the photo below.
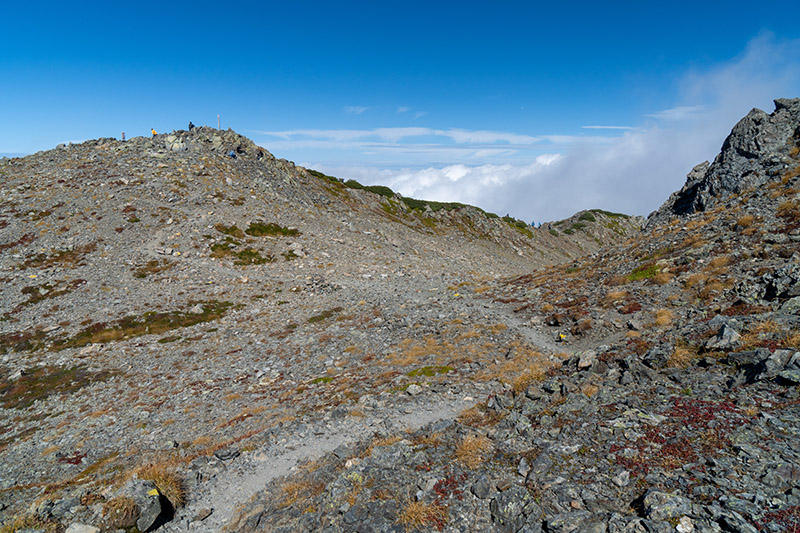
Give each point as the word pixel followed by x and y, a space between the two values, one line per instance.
pixel 154 266
pixel 643 272
pixel 63 258
pixel 44 381
pixel 171 338
pixel 323 379
pixel 262 229
pixel 324 315
pixel 220 249
pixel 553 232
pixel 21 341
pixel 249 256
pixel 37 293
pixel 233 231
pixel 430 371
pixel 587 217
pixel 150 323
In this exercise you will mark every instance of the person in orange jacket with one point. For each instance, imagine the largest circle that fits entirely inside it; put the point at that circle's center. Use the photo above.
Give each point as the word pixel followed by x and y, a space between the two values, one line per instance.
pixel 153 131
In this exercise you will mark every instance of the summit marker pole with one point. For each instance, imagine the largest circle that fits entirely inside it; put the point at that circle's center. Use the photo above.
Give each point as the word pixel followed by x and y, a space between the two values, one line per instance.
pixel 218 122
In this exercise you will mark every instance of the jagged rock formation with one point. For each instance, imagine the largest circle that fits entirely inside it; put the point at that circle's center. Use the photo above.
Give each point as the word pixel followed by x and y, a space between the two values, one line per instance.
pixel 757 149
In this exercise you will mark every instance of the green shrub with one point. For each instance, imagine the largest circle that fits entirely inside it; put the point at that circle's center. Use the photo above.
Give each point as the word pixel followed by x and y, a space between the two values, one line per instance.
pixel 587 217
pixel 610 214
pixel 320 175
pixel 233 231
pixel 353 184
pixel 643 272
pixel 261 229
pixel 381 190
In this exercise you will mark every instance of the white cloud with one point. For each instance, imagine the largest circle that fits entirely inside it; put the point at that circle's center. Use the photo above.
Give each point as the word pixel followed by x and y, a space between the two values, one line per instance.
pixel 683 112
pixel 608 127
pixel 355 110
pixel 548 177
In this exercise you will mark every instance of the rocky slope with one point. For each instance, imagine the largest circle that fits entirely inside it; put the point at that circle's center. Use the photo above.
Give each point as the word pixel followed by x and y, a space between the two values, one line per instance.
pixel 671 403
pixel 178 325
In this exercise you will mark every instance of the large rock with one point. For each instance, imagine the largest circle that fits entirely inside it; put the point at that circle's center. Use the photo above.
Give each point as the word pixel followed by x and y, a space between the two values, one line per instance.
pixel 148 499
pixel 756 151
pixel 516 509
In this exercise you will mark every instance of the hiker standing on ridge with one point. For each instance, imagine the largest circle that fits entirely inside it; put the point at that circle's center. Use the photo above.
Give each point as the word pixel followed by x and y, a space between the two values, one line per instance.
pixel 153 131
pixel 191 126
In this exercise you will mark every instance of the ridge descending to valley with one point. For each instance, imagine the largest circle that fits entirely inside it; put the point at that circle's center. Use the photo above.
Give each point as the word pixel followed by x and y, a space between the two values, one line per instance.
pixel 192 341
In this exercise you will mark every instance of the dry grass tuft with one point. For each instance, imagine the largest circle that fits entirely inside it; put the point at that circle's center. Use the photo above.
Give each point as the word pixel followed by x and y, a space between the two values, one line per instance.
pixel 664 317
pixel 528 377
pixel 694 280
pixel 434 439
pixel 662 278
pixel 300 490
pixel 168 482
pixel 719 264
pixel 746 221
pixel 589 389
pixel 121 512
pixel 419 515
pixel 613 297
pixel 681 357
pixel 473 450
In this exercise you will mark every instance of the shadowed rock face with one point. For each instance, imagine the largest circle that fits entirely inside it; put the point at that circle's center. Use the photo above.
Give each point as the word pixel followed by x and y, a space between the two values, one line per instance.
pixel 757 149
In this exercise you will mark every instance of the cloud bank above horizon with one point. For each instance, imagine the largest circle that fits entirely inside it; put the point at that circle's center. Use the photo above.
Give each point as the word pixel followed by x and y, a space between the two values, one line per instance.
pixel 538 177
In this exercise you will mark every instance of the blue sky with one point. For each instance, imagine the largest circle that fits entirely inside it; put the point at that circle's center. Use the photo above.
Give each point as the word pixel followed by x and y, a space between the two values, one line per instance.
pixel 531 109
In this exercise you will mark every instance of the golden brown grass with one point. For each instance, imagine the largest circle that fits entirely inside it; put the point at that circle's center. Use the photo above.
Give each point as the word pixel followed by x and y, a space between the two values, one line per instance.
pixel 695 279
pixel 746 221
pixel 300 490
pixel 662 278
pixel 718 264
pixel 528 377
pixel 434 439
pixel 473 450
pixel 694 241
pixel 526 364
pixel 589 389
pixel 613 297
pixel 681 357
pixel 121 512
pixel 664 317
pixel 168 482
pixel 420 515
pixel 789 210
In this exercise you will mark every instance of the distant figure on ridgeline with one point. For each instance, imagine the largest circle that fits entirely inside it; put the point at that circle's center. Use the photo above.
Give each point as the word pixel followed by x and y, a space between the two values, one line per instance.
pixel 153 131
pixel 191 126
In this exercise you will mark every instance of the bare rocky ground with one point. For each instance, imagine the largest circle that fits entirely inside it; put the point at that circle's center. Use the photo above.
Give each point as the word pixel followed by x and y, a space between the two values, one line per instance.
pixel 674 407
pixel 178 327
pixel 267 349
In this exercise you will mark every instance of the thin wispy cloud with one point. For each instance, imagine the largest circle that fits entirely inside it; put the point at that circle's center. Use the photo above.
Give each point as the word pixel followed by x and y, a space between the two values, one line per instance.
pixel 355 110
pixel 608 127
pixel 679 113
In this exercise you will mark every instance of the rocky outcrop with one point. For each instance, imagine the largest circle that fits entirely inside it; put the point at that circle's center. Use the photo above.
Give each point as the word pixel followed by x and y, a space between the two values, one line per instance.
pixel 756 151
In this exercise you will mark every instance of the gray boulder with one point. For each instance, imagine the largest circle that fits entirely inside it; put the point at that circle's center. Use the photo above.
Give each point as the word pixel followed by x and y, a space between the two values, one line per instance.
pixel 755 152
